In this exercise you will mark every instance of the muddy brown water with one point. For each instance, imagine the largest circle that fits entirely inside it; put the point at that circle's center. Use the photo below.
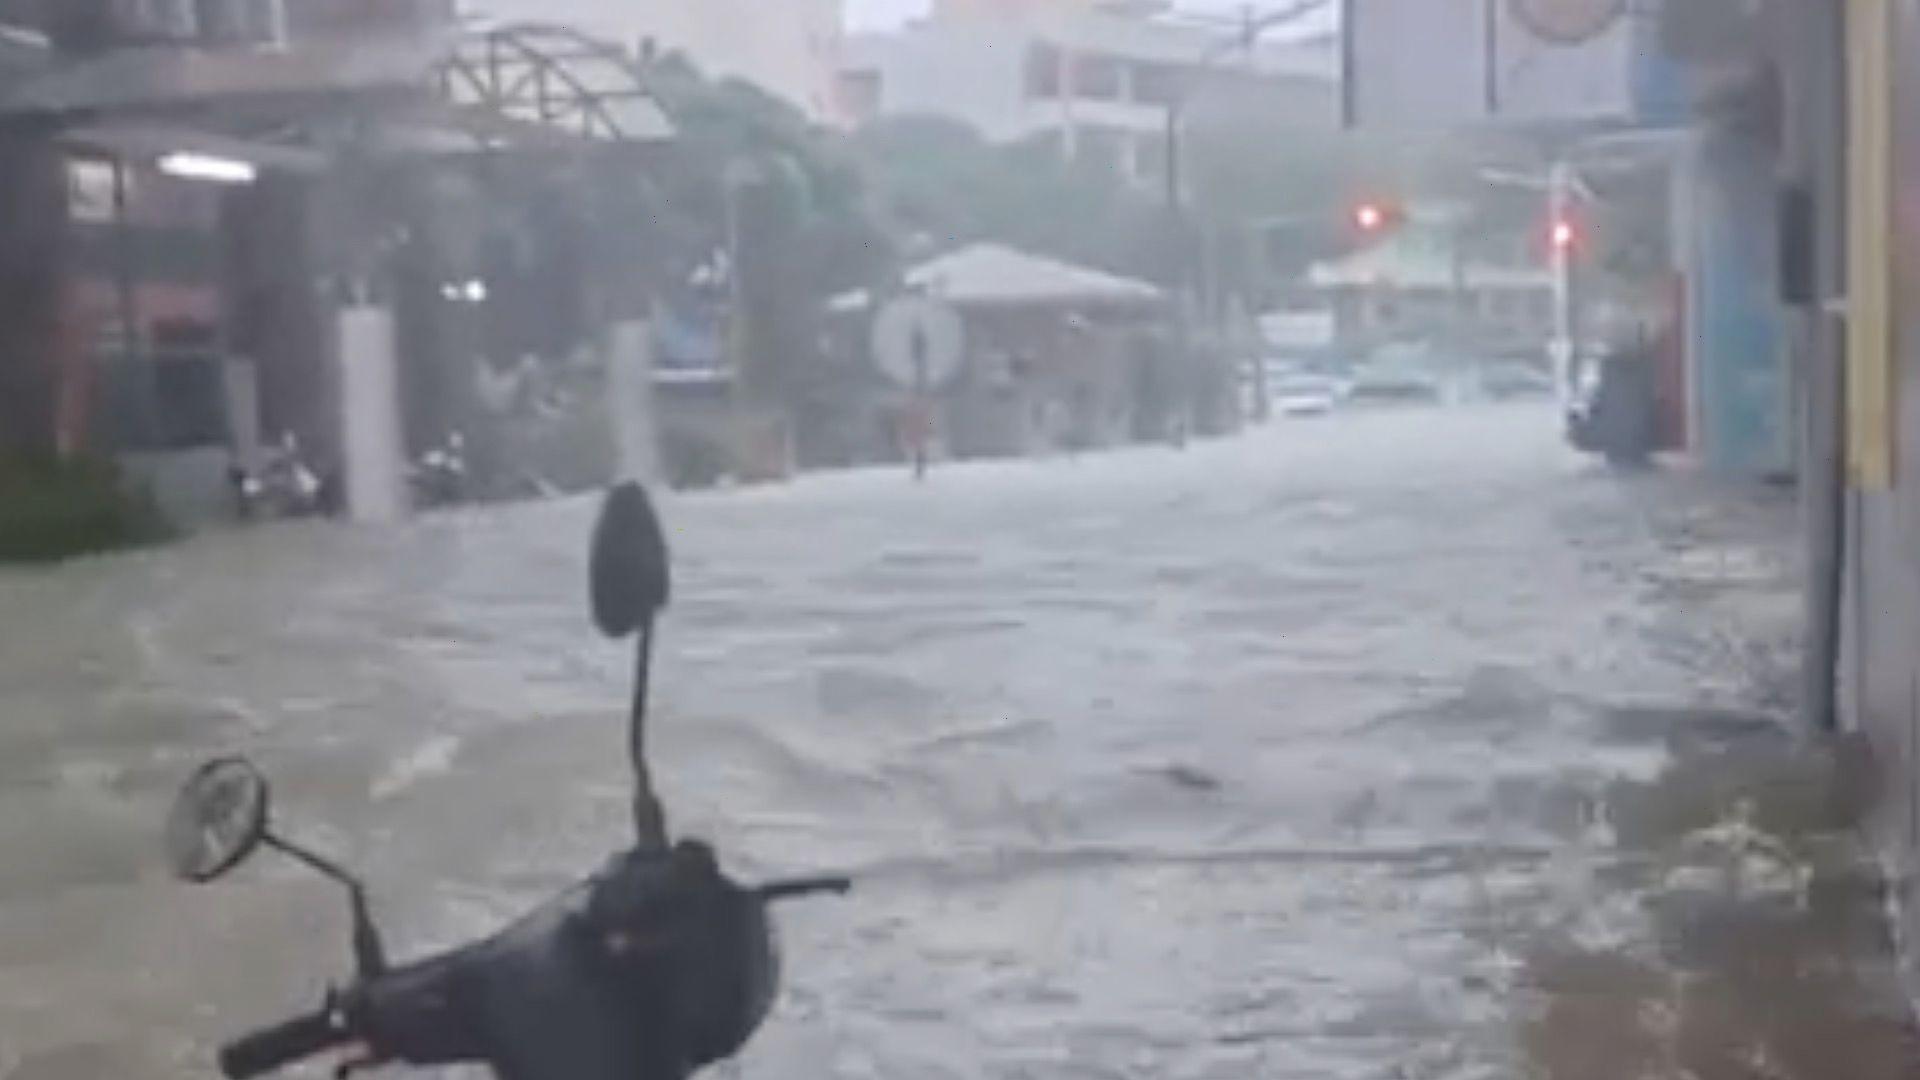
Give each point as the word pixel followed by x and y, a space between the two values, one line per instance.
pixel 1305 754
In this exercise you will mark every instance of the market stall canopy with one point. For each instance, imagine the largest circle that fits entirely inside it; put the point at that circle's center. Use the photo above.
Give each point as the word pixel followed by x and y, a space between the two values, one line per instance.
pixel 988 275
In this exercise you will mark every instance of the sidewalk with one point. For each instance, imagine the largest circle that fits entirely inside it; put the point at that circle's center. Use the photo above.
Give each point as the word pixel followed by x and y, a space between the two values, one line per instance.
pixel 1760 947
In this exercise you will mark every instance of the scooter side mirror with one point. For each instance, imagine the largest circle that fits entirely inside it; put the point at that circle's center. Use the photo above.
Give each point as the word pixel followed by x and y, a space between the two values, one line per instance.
pixel 218 820
pixel 629 576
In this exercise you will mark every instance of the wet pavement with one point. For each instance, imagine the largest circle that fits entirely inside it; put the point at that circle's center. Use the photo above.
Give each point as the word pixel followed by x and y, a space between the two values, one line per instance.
pixel 1322 752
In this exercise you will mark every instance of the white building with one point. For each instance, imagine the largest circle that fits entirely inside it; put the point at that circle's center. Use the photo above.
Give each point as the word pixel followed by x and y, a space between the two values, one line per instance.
pixel 1100 77
pixel 1419 282
pixel 786 47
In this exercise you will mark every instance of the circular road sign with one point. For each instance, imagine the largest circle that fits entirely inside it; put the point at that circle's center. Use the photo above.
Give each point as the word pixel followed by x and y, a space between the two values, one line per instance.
pixel 1567 22
pixel 917 342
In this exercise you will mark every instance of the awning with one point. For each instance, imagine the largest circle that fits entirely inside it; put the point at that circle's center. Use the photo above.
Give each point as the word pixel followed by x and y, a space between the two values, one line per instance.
pixel 997 276
pixel 168 79
pixel 144 142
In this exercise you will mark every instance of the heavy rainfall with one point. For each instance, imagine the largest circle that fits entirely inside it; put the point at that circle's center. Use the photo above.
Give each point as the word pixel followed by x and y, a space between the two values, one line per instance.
pixel 994 538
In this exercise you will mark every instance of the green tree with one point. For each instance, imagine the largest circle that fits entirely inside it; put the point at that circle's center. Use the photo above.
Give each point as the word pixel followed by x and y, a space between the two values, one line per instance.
pixel 748 181
pixel 940 184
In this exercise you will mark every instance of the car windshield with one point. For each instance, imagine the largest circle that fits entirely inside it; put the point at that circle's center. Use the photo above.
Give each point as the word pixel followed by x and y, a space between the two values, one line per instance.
pixel 1266 538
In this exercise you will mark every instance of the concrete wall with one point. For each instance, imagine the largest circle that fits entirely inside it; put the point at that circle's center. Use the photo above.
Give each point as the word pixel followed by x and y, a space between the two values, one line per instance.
pixel 974 74
pixel 32 263
pixel 1881 668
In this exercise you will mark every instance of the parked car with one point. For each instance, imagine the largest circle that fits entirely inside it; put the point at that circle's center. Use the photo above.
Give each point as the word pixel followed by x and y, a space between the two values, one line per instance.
pixel 1304 395
pixel 1512 381
pixel 1393 385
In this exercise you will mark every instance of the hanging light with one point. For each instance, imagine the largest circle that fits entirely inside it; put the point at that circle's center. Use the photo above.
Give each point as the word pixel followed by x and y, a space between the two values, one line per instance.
pixel 188 165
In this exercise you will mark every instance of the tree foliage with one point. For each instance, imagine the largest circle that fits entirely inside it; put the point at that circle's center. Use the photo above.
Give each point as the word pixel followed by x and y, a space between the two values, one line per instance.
pixel 941 185
pixel 750 187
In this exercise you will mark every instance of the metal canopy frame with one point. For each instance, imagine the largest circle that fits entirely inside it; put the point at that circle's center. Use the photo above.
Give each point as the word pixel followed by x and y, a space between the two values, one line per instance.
pixel 553 76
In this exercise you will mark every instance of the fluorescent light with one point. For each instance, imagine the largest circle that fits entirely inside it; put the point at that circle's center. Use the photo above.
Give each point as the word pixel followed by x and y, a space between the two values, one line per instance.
pixel 191 166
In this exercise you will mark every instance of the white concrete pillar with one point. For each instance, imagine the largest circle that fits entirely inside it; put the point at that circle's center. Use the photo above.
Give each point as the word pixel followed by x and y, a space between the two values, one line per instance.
pixel 372 447
pixel 629 350
pixel 242 382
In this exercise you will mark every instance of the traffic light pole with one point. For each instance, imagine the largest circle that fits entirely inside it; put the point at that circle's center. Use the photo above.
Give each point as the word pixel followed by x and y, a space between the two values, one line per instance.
pixel 1178 276
pixel 1180 273
pixel 1564 348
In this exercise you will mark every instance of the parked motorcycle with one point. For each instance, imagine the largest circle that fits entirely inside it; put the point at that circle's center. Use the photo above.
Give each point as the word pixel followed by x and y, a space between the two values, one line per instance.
pixel 1616 414
pixel 654 967
pixel 439 477
pixel 284 486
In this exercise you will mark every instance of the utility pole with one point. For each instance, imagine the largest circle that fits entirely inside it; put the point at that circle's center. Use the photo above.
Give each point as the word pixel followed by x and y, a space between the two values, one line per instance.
pixel 1564 348
pixel 1179 249
pixel 1816 123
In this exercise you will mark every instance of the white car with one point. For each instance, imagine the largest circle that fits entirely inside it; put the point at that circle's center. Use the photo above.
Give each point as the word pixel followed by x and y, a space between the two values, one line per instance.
pixel 1304 395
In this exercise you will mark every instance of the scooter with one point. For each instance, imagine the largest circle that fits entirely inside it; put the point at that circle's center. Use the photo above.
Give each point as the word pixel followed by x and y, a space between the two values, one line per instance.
pixel 1616 412
pixel 439 478
pixel 285 486
pixel 654 967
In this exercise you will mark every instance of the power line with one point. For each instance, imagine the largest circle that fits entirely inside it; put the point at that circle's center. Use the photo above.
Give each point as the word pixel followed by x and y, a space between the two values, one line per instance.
pixel 1248 28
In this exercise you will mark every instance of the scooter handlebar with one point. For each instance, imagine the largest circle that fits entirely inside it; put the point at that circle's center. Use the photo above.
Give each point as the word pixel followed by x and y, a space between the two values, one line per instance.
pixel 274 1048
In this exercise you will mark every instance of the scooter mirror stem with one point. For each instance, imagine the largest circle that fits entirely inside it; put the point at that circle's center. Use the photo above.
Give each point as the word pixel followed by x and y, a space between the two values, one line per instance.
pixel 369 952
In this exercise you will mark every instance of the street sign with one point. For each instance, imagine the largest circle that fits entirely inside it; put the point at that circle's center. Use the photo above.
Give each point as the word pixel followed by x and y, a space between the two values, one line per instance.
pixel 1567 22
pixel 1440 64
pixel 918 342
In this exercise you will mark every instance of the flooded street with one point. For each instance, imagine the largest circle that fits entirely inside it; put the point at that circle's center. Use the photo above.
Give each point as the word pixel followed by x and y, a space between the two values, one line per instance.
pixel 1275 758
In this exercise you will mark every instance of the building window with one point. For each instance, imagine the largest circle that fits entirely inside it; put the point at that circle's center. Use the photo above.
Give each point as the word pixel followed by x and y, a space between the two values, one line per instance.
pixel 1043 73
pixel 1097 78
pixel 1156 84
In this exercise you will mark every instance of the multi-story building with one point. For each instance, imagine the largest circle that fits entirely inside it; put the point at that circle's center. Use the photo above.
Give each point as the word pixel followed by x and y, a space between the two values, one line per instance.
pixel 118 308
pixel 1101 78
pixel 787 48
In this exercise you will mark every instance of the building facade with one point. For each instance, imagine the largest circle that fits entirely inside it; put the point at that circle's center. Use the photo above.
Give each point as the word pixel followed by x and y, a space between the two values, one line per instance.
pixel 1420 284
pixel 787 48
pixel 1102 80
pixel 119 313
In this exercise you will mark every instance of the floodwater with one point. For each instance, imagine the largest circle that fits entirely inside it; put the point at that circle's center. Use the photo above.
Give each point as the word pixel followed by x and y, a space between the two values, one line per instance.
pixel 1279 757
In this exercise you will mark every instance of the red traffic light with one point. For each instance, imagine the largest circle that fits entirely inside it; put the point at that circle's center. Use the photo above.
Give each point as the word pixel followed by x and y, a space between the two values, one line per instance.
pixel 1369 216
pixel 1563 235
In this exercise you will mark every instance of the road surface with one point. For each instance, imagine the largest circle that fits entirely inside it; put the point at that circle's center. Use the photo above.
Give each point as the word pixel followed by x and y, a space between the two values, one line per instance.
pixel 1261 759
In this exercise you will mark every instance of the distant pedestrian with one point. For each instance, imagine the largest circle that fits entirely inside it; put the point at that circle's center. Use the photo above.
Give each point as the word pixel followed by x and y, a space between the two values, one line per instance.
pixel 916 434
